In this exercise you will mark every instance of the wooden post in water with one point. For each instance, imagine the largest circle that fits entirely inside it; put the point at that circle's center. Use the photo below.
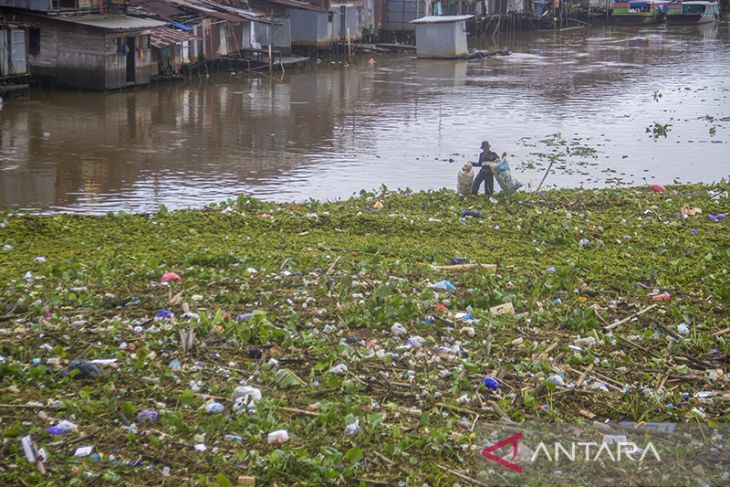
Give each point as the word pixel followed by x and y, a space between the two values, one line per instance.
pixel 349 47
pixel 271 67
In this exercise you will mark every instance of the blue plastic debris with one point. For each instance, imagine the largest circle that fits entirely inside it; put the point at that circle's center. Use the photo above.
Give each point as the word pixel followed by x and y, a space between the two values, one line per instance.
pixel 214 407
pixel 471 213
pixel 86 370
pixel 175 364
pixel 557 380
pixel 147 416
pixel 491 383
pixel 164 314
pixel 443 286
pixel 717 217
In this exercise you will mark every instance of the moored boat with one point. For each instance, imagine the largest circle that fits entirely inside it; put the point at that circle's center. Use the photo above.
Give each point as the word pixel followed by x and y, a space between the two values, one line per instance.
pixel 640 12
pixel 693 12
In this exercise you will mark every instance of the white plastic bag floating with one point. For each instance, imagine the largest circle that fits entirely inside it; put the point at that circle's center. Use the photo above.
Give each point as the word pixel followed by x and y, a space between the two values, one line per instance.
pixel 504 178
pixel 465 179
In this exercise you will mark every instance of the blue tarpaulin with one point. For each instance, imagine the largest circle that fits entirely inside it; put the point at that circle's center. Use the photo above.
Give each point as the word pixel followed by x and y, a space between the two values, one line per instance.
pixel 181 26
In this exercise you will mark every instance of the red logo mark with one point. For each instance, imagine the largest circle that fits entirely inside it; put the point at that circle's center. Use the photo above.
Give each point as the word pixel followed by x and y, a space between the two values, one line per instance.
pixel 512 440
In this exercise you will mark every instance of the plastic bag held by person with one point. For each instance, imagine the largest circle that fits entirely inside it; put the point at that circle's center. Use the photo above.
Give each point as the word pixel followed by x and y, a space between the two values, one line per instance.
pixel 465 179
pixel 503 175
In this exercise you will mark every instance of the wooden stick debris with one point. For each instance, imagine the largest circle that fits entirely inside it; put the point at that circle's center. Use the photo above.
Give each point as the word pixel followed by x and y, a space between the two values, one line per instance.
pixel 457 409
pixel 543 355
pixel 38 458
pixel 332 267
pixel 464 267
pixel 392 463
pixel 30 406
pixel 384 458
pixel 300 411
pixel 626 320
pixel 583 376
pixel 550 166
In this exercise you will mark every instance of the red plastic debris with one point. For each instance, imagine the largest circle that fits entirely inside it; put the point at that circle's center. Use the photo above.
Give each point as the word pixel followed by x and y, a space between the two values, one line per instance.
pixel 658 188
pixel 170 276
pixel 441 307
pixel 662 297
pixel 371 61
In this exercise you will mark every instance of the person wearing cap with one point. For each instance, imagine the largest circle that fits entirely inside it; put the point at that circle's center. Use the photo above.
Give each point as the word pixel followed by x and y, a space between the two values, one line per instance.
pixel 485 175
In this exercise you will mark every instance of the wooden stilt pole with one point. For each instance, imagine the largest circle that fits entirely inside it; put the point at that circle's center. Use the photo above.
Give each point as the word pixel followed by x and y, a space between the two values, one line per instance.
pixel 349 47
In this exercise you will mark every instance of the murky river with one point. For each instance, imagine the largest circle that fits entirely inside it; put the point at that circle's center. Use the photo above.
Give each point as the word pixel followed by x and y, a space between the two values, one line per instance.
pixel 331 130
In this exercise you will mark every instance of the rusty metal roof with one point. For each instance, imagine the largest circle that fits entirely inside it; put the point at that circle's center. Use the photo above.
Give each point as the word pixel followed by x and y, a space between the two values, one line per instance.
pixel 170 37
pixel 158 7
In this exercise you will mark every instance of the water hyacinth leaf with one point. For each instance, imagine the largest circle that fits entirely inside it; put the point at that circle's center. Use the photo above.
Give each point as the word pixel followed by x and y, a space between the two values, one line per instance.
pixel 285 378
pixel 354 455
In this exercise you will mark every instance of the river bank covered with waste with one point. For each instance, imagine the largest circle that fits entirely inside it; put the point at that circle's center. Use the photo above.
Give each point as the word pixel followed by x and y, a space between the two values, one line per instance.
pixel 358 341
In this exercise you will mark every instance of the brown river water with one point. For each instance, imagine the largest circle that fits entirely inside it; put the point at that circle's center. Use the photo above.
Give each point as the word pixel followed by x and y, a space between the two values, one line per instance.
pixel 329 130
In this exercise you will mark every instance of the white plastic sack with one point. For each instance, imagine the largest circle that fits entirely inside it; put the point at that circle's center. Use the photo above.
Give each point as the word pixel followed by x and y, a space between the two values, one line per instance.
pixel 504 178
pixel 464 180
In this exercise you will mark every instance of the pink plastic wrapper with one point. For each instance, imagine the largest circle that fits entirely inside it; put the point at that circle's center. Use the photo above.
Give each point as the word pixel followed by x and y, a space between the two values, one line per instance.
pixel 170 276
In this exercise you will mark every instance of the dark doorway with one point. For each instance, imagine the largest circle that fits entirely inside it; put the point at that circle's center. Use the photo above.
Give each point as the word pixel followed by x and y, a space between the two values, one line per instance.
pixel 130 58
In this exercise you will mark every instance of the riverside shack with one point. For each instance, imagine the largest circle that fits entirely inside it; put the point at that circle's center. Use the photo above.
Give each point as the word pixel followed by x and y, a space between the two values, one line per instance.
pixel 441 37
pixel 13 52
pixel 91 51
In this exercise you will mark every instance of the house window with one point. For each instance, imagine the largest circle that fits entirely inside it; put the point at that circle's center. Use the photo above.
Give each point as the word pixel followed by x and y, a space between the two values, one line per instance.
pixel 330 16
pixel 34 41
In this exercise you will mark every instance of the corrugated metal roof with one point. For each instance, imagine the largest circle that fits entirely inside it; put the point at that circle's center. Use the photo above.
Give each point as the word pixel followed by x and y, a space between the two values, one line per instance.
pixel 299 5
pixel 113 22
pixel 170 37
pixel 233 10
pixel 218 11
pixel 158 7
pixel 437 19
pixel 210 12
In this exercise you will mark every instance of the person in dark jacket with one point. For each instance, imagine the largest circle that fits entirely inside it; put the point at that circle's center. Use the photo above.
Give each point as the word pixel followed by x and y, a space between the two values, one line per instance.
pixel 485 175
